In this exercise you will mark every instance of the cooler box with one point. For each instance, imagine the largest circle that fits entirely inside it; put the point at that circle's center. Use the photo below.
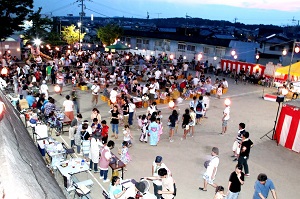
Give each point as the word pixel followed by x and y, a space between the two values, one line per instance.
pixel 23 104
pixel 83 88
pixel 103 98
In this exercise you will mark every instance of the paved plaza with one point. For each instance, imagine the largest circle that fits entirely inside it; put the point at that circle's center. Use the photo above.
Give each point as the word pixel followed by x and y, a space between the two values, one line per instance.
pixel 185 158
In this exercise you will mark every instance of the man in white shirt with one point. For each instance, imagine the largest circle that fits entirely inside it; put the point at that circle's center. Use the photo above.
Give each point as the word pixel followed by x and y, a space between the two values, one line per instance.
pixel 95 93
pixel 151 92
pixel 145 89
pixel 69 107
pixel 225 83
pixel 113 95
pixel 185 69
pixel 157 74
pixel 195 81
pixel 225 119
pixel 132 108
pixel 211 170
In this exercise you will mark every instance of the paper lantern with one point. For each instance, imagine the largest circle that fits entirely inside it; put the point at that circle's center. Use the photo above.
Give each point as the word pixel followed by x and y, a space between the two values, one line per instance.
pixel 171 104
pixel 57 88
pixel 227 102
pixel 4 71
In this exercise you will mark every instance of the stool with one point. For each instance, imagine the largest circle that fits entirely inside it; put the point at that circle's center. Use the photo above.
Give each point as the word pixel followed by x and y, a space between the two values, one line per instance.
pixel 83 88
pixel 225 90
pixel 145 104
pixel 103 98
pixel 157 101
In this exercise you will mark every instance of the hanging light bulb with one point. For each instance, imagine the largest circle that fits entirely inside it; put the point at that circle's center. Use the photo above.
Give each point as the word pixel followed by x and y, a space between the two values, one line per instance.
pixel 297 49
pixel 284 52
pixel 233 52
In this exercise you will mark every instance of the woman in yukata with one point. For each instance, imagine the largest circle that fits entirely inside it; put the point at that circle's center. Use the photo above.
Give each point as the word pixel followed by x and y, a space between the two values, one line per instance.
pixel 153 132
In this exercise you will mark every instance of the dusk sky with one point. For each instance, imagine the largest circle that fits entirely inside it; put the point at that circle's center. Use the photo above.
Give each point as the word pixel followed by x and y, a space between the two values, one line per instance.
pixel 277 12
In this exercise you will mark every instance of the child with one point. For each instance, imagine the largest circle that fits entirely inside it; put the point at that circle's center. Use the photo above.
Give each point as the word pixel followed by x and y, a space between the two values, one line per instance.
pixel 159 115
pixel 160 131
pixel 219 91
pixel 206 102
pixel 144 134
pixel 104 132
pixel 219 192
pixel 127 135
pixel 140 122
pixel 125 157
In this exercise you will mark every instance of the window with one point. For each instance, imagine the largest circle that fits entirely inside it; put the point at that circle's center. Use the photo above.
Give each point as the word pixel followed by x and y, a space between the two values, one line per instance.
pixel 220 52
pixel 146 41
pixel 158 43
pixel 206 50
pixel 181 47
pixel 138 41
pixel 128 40
pixel 191 48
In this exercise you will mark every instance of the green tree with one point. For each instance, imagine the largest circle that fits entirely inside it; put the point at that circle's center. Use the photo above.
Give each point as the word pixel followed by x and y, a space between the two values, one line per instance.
pixel 40 26
pixel 109 33
pixel 12 15
pixel 71 35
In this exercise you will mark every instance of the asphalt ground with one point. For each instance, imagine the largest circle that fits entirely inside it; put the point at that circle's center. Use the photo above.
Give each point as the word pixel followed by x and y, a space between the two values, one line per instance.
pixel 185 158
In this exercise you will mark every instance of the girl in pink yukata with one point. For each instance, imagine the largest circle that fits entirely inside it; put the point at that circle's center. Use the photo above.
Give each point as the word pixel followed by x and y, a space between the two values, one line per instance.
pixel 144 133
pixel 160 131
pixel 219 91
pixel 125 157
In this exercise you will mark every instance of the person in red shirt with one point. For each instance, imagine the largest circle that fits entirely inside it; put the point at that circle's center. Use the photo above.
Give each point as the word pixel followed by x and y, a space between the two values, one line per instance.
pixel 104 132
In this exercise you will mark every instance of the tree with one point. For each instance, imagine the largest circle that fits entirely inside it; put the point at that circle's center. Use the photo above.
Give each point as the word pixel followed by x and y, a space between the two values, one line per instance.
pixel 109 33
pixel 12 15
pixel 71 35
pixel 40 26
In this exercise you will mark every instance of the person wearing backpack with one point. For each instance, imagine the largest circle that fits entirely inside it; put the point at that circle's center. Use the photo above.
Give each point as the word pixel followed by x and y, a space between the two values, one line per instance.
pixel 200 109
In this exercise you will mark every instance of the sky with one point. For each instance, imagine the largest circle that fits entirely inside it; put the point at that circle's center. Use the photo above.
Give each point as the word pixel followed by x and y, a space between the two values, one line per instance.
pixel 276 12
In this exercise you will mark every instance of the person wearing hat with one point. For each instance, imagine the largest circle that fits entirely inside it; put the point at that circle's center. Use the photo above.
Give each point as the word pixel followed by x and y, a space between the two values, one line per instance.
pixel 44 89
pixel 236 179
pixel 143 188
pixel 157 183
pixel 211 170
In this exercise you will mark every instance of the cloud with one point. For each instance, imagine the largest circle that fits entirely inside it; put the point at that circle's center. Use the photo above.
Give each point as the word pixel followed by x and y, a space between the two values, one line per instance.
pixel 280 5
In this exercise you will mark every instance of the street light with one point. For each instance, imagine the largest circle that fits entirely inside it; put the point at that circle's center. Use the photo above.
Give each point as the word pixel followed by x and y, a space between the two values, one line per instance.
pixel 79 26
pixel 296 49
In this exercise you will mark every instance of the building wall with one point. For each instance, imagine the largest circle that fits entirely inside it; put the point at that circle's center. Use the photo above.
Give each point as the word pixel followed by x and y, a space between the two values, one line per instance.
pixel 165 46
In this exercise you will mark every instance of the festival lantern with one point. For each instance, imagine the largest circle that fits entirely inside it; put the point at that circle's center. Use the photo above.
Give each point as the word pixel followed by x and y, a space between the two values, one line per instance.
pixel 171 104
pixel 57 88
pixel 227 102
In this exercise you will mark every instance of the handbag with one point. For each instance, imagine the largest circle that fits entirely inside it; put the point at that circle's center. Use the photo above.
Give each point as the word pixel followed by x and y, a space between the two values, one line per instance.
pixel 169 123
pixel 184 126
pixel 206 163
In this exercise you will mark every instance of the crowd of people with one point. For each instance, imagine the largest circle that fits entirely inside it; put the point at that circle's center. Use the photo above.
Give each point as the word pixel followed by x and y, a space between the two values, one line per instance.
pixel 132 76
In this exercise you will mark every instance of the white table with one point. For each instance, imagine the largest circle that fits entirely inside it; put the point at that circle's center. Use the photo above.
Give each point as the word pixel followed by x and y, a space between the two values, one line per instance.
pixel 74 166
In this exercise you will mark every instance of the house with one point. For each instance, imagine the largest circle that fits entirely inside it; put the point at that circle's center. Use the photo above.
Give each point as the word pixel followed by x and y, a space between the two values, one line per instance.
pixel 177 43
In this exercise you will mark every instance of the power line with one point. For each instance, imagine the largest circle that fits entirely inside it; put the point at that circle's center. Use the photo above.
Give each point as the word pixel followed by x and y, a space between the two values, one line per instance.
pixel 123 11
pixel 97 12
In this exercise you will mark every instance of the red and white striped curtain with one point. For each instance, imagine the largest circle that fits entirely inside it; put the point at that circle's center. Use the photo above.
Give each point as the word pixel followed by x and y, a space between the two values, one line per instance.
pixel 288 128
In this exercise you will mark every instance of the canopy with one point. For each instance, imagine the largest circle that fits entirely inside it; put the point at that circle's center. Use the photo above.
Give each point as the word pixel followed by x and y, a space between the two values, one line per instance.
pixel 118 46
pixel 295 69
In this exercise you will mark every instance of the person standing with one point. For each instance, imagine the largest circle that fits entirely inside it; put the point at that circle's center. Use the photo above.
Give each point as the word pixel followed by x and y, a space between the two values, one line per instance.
pixel 262 187
pixel 153 132
pixel 236 148
pixel 95 93
pixel 73 128
pixel 236 179
pixel 199 109
pixel 211 170
pixel 246 145
pixel 173 119
pixel 60 81
pixel 186 118
pixel 75 99
pixel 94 153
pixel 115 116
pixel 156 165
pixel 125 108
pixel 105 159
pixel 225 118
pixel 192 121
pixel 69 107
pixel 44 89
pixel 132 109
